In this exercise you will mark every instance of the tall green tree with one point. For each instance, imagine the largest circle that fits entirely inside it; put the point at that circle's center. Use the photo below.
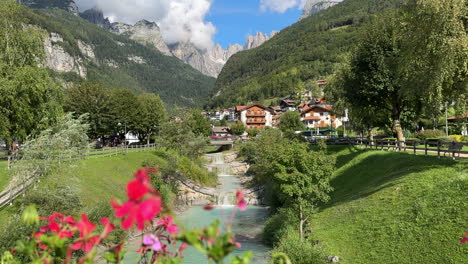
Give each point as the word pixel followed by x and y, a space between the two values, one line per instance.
pixel 30 100
pixel 124 108
pixel 291 122
pixel 199 124
pixel 299 176
pixel 407 63
pixel 238 128
pixel 93 99
pixel 151 116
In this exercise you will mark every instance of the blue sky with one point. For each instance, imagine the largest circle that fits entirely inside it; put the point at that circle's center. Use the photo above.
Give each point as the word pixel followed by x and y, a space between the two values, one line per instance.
pixel 236 19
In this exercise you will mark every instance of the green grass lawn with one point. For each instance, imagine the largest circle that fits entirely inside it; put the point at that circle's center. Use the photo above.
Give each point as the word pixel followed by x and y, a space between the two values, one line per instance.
pixel 4 175
pixel 100 179
pixel 392 207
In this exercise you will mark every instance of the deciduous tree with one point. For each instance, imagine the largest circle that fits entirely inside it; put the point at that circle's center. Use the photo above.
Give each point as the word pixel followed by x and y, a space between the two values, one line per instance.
pixel 30 100
pixel 151 116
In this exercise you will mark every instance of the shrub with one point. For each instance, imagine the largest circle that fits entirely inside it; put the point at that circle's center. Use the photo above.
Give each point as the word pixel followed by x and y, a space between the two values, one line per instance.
pixel 300 252
pixel 457 138
pixel 426 134
pixel 464 139
pixel 277 225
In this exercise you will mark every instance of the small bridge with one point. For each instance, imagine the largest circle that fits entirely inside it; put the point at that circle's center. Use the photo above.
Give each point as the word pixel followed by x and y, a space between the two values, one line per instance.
pixel 226 143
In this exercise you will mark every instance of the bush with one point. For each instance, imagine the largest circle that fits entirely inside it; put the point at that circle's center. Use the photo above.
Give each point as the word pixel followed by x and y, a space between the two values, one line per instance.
pixel 464 139
pixel 426 134
pixel 300 252
pixel 277 225
pixel 457 138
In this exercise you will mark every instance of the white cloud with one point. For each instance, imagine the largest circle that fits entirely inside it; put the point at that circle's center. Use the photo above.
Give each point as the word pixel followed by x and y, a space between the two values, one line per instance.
pixel 179 20
pixel 280 5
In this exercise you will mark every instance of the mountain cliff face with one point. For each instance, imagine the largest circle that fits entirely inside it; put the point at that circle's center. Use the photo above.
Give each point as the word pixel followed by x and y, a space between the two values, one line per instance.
pixel 314 6
pixel 209 62
pixel 67 5
pixel 145 32
pixel 96 17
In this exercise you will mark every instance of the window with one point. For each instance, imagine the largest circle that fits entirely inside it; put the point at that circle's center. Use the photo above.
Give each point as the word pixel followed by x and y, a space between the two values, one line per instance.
pixel 321 114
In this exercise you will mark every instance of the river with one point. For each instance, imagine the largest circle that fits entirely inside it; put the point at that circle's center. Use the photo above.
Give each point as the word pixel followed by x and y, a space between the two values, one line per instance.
pixel 248 225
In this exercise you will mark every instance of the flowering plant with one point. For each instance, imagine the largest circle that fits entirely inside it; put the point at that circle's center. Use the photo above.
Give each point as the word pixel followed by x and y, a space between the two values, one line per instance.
pixel 64 239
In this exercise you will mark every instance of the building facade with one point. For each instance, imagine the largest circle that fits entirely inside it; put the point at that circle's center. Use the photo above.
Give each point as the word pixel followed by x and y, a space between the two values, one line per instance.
pixel 255 116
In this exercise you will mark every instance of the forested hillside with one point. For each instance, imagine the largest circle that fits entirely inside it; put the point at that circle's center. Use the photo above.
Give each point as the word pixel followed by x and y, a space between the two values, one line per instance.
pixel 300 54
pixel 119 62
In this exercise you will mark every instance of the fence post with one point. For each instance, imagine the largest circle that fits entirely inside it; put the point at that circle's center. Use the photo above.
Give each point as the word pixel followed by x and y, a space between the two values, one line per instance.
pixel 425 147
pixel 438 149
pixel 454 146
pixel 414 147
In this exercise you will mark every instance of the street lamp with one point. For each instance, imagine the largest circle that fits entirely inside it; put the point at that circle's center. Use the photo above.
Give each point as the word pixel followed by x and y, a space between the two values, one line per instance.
pixel 446 119
pixel 125 130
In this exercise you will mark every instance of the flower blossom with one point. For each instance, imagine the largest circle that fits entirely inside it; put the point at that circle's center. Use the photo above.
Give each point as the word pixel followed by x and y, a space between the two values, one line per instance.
pixel 241 203
pixel 138 210
pixel 168 225
pixel 465 239
pixel 86 241
pixel 153 242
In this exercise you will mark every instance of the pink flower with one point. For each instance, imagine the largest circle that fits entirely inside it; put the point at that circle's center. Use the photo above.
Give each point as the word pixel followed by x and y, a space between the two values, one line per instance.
pixel 241 203
pixel 465 239
pixel 153 242
pixel 168 225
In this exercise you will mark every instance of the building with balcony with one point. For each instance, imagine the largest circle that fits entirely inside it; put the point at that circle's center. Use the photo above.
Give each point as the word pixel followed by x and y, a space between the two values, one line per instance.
pixel 255 116
pixel 319 117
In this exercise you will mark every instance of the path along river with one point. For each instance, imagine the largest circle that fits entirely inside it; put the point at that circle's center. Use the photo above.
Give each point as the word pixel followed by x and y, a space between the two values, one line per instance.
pixel 247 225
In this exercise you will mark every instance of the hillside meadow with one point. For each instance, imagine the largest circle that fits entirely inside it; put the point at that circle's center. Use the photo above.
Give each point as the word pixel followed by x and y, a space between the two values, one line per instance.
pixel 391 207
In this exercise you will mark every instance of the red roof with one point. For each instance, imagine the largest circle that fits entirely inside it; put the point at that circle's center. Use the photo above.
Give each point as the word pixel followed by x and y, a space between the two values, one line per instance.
pixel 240 107
pixel 323 108
pixel 465 115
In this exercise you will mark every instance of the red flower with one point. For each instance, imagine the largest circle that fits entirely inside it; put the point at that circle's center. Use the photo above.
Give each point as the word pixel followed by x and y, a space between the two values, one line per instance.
pixel 86 241
pixel 168 225
pixel 136 210
pixel 208 207
pixel 108 226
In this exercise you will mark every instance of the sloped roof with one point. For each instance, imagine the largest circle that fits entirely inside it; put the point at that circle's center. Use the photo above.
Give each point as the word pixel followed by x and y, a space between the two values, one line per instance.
pixel 250 106
pixel 310 108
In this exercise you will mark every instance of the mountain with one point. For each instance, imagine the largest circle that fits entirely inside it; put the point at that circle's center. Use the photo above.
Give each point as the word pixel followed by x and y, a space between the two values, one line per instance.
pixel 145 32
pixel 96 17
pixel 295 58
pixel 209 62
pixel 314 6
pixel 78 50
pixel 67 5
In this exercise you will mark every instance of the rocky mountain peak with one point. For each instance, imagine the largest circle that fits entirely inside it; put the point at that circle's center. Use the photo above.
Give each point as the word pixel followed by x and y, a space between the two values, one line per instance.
pixel 257 40
pixel 314 6
pixel 143 31
pixel 68 5
pixel 95 16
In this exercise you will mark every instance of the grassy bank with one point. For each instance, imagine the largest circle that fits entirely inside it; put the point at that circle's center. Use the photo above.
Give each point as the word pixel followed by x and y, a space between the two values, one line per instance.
pixel 4 176
pixel 394 208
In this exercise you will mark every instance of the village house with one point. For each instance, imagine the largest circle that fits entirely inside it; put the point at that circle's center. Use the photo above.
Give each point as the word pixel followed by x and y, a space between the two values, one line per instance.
pixel 287 104
pixel 221 131
pixel 317 114
pixel 255 116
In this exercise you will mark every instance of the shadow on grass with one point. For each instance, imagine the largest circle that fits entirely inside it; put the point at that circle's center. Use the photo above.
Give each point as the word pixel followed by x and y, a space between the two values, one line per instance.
pixel 358 177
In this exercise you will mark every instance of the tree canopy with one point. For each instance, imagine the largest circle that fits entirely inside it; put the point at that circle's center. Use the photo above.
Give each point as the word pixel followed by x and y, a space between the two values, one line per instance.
pixel 30 100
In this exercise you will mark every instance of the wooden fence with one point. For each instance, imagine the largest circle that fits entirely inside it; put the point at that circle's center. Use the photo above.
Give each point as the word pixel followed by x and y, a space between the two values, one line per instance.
pixel 427 147
pixel 12 192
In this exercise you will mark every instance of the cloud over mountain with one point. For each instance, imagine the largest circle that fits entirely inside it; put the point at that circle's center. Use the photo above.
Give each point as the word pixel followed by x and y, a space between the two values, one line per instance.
pixel 179 20
pixel 280 5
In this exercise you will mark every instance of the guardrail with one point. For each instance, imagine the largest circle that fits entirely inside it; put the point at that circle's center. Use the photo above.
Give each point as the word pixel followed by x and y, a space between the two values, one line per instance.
pixel 8 195
pixel 452 149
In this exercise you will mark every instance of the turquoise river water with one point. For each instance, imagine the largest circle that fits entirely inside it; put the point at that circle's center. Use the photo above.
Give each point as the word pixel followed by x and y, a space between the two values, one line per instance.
pixel 247 225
